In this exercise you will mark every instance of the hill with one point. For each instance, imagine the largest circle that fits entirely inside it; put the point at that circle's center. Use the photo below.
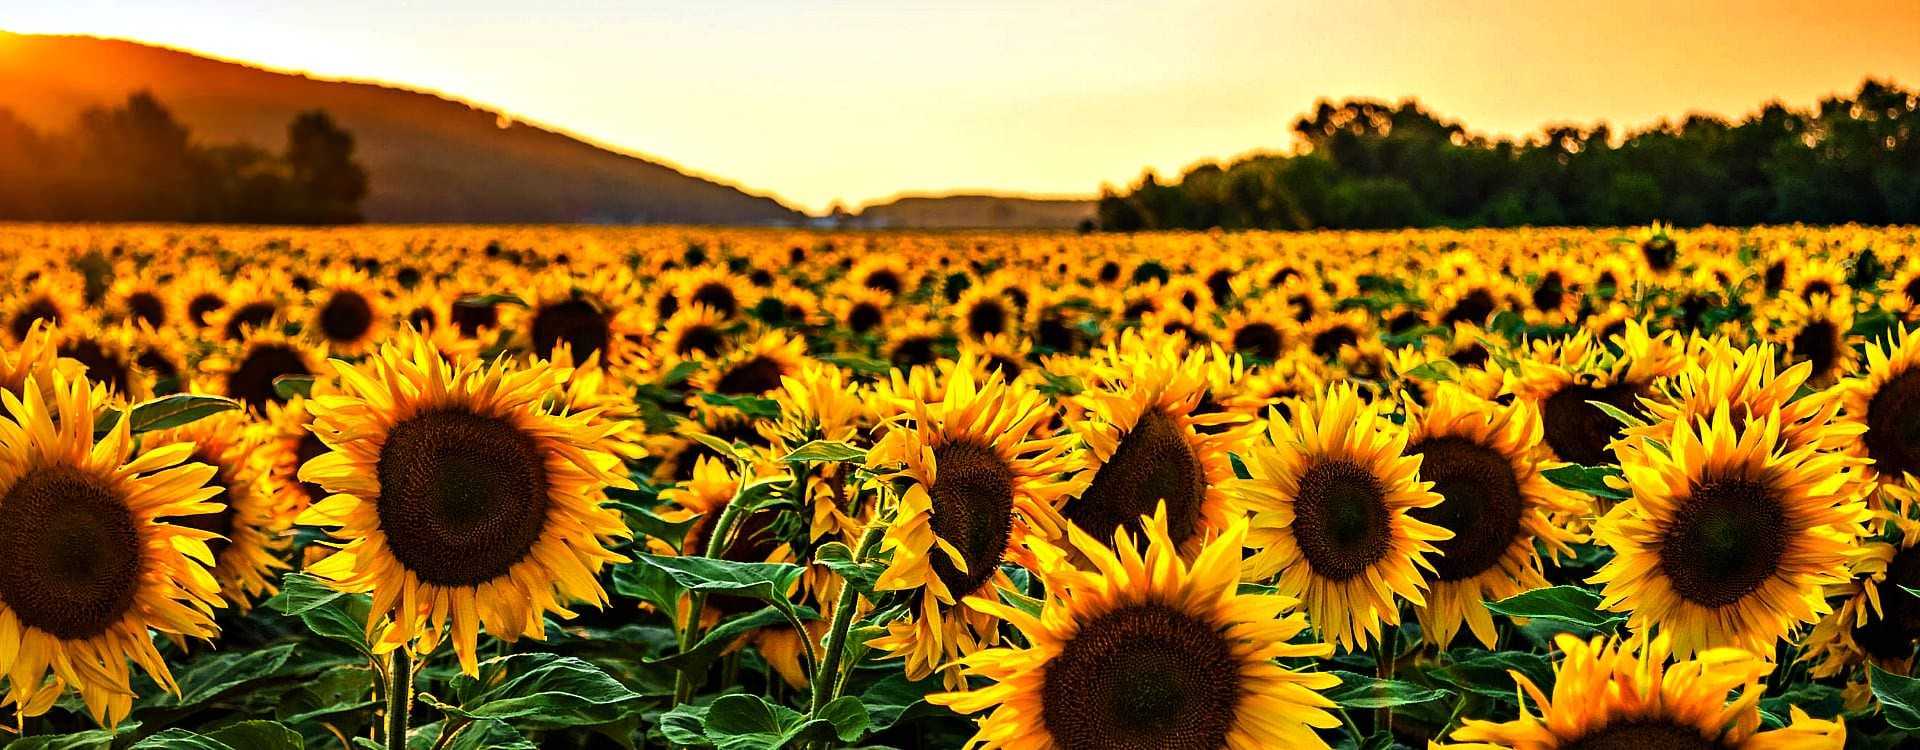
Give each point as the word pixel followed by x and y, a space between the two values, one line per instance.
pixel 431 159
pixel 975 212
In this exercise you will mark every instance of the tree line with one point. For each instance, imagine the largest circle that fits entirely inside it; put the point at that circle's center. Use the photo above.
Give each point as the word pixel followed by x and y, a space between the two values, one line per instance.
pixel 1367 164
pixel 135 162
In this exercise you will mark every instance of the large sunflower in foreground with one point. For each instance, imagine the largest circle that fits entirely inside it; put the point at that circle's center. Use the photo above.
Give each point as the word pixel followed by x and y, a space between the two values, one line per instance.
pixel 1482 459
pixel 1147 443
pixel 1728 540
pixel 90 567
pixel 461 502
pixel 1623 695
pixel 252 519
pixel 977 481
pixel 1331 493
pixel 1143 650
pixel 1886 403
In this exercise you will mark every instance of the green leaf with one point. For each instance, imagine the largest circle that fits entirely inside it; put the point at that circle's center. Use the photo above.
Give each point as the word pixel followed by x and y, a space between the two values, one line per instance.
pixel 1618 415
pixel 650 524
pixel 1814 698
pixel 748 722
pixel 680 373
pixel 1911 591
pixel 1489 673
pixel 754 407
pixel 857 364
pixel 717 445
pixel 288 386
pixel 686 725
pixel 538 690
pixel 767 582
pixel 1572 606
pixel 1899 697
pixel 330 614
pixel 478 735
pixel 1361 691
pixel 1439 371
pixel 861 575
pixel 244 735
pixel 167 412
pixel 92 739
pixel 209 676
pixel 1588 479
pixel 827 451
pixel 714 644
pixel 895 699
pixel 489 300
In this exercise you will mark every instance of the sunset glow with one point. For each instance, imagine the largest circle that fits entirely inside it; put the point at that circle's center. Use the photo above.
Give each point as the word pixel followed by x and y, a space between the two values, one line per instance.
pixel 819 101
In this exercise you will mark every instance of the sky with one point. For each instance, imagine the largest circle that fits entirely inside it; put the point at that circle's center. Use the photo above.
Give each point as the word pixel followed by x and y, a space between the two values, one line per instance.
pixel 817 101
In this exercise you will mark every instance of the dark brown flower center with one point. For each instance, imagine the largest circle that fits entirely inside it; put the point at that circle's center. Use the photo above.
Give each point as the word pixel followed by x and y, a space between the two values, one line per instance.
pixel 37 310
pixel 987 317
pixel 101 365
pixel 863 317
pixel 913 351
pixel 470 317
pixel 147 308
pixel 1473 308
pixel 251 382
pixel 885 281
pixel 717 297
pixel 703 339
pixel 577 322
pixel 1892 635
pixel 250 315
pixel 71 552
pixel 1818 342
pixel 346 317
pixel 1893 425
pixel 1328 342
pixel 1340 519
pixel 1481 504
pixel 1644 735
pixel 1258 339
pixel 199 306
pixel 1144 677
pixel 973 511
pixel 463 497
pixel 1660 252
pixel 1579 431
pixel 754 376
pixel 1154 462
pixel 1726 540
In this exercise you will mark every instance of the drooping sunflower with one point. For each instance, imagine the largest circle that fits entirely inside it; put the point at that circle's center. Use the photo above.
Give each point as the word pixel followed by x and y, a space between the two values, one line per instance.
pixel 1331 493
pixel 1728 539
pixel 460 502
pixel 1483 461
pixel 1886 403
pixel 820 403
pixel 252 521
pixel 1142 650
pixel 1622 694
pixel 92 569
pixel 974 483
pixel 1147 443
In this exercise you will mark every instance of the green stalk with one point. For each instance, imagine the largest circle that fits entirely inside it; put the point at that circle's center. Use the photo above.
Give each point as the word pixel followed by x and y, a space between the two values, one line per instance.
pixel 399 697
pixel 696 602
pixel 826 682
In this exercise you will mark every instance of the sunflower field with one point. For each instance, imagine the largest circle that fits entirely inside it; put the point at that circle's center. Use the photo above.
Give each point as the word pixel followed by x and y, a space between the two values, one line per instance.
pixel 438 488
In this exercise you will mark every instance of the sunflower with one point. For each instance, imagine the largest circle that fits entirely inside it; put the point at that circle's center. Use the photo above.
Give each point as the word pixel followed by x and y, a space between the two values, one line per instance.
pixel 1903 295
pixel 253 302
pixel 44 301
pixel 251 523
pixel 756 367
pixel 106 354
pixel 350 313
pixel 1623 694
pixel 716 289
pixel 1886 403
pixel 91 566
pixel 1147 444
pixel 914 343
pixel 1815 331
pixel 34 357
pixel 984 311
pixel 460 502
pixel 1338 336
pixel 1876 622
pixel 1331 492
pixel 819 403
pixel 1480 457
pixel 598 314
pixel 1143 650
pixel 141 299
pixel 1563 379
pixel 249 371
pixel 692 334
pixel 861 310
pixel 974 482
pixel 1258 331
pixel 1728 539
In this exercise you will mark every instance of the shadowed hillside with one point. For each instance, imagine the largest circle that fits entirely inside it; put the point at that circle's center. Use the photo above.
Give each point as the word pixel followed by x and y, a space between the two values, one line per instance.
pixel 431 159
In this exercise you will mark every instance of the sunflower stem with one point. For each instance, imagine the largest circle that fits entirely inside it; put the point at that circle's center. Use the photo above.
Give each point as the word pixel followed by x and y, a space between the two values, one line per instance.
pixel 717 541
pixel 1389 654
pixel 826 682
pixel 399 697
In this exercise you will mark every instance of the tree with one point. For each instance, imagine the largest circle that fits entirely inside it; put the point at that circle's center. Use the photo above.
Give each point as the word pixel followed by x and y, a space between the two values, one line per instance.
pixel 326 184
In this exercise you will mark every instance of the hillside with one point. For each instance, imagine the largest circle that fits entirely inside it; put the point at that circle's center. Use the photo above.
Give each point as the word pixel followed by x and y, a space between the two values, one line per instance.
pixel 431 159
pixel 975 212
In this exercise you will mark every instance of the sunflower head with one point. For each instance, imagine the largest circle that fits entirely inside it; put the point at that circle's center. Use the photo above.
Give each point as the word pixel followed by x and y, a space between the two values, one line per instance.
pixel 1141 649
pixel 460 502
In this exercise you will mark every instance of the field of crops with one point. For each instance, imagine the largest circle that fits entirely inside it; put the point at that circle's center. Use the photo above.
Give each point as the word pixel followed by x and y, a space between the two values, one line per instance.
pixel 446 487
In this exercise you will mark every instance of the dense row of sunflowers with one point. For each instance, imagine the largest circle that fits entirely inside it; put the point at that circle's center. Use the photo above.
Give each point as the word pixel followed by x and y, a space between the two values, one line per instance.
pixel 704 488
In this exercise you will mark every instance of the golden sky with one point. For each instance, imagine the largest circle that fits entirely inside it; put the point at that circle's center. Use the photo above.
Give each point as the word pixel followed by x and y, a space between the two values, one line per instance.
pixel 857 100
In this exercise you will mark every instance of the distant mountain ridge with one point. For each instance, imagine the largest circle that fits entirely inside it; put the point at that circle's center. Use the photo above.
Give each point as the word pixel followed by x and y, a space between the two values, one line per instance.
pixel 973 211
pixel 431 159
